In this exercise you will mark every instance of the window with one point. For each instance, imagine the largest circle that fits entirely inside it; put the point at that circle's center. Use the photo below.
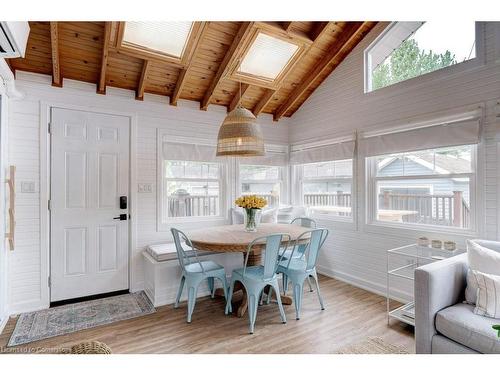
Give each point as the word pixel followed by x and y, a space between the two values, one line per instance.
pixel 432 187
pixel 327 187
pixel 169 38
pixel 262 180
pixel 190 189
pixel 410 49
pixel 267 57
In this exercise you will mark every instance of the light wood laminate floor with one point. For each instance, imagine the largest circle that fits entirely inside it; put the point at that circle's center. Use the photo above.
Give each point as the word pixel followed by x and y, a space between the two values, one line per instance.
pixel 351 315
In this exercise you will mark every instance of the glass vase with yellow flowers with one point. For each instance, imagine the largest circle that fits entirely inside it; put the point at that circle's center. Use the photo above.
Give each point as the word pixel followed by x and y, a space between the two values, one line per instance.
pixel 251 204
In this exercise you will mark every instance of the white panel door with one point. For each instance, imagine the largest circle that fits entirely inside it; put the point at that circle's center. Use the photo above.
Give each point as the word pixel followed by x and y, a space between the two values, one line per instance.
pixel 89 173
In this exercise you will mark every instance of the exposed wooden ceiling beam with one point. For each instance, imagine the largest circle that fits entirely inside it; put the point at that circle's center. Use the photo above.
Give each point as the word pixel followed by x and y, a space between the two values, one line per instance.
pixel 279 29
pixel 101 88
pixel 263 102
pixel 181 80
pixel 139 95
pixel 318 29
pixel 237 98
pixel 352 35
pixel 232 53
pixel 56 64
pixel 286 25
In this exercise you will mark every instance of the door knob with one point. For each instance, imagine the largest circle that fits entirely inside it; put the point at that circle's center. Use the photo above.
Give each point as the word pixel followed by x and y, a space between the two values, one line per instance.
pixel 121 217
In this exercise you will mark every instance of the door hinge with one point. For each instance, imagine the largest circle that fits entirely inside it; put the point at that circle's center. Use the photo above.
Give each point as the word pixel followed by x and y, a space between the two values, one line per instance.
pixel 49 127
pixel 49 281
pixel 48 205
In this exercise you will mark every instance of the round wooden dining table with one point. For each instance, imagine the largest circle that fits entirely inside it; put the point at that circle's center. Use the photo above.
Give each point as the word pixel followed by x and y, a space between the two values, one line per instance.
pixel 234 239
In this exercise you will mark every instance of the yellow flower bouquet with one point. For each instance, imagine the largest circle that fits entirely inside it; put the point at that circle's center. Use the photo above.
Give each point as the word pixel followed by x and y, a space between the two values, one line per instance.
pixel 251 203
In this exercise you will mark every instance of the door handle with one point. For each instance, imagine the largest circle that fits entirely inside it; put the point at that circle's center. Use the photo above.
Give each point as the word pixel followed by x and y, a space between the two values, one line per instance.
pixel 121 217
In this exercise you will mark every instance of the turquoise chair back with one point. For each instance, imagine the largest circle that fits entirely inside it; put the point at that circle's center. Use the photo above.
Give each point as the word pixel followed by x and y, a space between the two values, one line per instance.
pixel 309 243
pixel 271 252
pixel 304 222
pixel 183 257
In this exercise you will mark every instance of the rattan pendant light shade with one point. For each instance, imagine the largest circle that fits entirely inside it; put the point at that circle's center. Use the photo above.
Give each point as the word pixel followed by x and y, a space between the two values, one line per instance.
pixel 240 135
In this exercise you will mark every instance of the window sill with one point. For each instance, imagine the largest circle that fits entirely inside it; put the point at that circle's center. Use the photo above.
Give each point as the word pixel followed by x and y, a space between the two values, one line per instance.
pixel 414 231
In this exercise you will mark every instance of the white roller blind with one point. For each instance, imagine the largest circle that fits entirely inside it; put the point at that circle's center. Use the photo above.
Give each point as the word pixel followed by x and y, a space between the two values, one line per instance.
pixel 188 152
pixel 443 135
pixel 336 151
pixel 272 158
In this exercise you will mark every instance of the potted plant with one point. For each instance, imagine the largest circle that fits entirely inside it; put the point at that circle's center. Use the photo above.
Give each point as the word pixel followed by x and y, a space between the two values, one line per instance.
pixel 251 204
pixel 497 327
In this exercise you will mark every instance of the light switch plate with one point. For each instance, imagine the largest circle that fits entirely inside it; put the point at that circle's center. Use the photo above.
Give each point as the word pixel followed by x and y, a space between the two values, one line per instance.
pixel 145 188
pixel 28 187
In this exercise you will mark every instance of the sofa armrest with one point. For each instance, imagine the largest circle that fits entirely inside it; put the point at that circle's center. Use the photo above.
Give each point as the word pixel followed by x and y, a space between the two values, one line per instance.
pixel 437 286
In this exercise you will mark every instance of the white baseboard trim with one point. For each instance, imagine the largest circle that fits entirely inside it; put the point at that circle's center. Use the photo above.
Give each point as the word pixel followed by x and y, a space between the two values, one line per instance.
pixel 380 289
pixel 137 287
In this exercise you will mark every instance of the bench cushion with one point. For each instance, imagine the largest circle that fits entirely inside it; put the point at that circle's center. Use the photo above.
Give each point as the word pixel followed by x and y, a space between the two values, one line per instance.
pixel 460 324
pixel 167 251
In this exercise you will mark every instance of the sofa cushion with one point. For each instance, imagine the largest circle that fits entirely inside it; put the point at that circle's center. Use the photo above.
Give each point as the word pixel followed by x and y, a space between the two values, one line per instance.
pixel 483 256
pixel 460 324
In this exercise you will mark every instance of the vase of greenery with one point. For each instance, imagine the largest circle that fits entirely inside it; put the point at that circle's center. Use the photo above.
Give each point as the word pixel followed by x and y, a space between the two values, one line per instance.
pixel 252 204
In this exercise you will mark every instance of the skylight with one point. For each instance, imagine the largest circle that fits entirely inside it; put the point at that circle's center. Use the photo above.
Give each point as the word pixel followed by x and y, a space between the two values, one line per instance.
pixel 165 37
pixel 267 57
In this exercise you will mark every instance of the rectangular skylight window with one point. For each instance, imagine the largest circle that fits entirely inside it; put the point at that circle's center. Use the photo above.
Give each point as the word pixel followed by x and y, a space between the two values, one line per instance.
pixel 267 57
pixel 165 37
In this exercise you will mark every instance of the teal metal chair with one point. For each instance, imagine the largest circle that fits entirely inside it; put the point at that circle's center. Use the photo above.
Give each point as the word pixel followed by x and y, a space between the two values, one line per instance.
pixel 195 271
pixel 256 278
pixel 305 222
pixel 297 270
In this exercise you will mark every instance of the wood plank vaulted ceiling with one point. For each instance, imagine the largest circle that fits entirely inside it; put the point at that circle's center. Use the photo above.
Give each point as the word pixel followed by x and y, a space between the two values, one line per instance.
pixel 91 52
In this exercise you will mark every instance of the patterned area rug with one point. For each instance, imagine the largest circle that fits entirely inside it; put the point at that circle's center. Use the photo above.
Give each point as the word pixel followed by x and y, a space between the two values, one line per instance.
pixel 373 345
pixel 65 319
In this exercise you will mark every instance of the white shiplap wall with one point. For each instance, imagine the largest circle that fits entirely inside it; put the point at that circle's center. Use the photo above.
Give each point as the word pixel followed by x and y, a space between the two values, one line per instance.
pixel 356 253
pixel 27 287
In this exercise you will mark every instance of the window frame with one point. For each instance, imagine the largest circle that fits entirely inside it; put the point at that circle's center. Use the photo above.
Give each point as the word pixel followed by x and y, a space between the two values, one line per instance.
pixel 224 189
pixel 460 67
pixel 298 176
pixel 282 170
pixel 372 197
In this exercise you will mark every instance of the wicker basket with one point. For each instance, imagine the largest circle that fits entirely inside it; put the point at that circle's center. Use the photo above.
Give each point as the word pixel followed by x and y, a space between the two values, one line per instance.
pixel 90 347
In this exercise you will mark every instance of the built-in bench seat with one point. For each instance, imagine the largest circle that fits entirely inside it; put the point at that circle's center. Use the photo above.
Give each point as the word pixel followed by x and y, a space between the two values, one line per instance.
pixel 162 271
pixel 167 251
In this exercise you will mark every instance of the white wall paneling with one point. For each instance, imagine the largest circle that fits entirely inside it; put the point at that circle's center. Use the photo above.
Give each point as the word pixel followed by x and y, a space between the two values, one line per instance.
pixel 357 254
pixel 28 264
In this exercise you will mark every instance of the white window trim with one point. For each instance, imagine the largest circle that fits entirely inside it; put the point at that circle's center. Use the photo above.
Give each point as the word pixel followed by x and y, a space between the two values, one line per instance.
pixel 224 189
pixel 474 63
pixel 378 226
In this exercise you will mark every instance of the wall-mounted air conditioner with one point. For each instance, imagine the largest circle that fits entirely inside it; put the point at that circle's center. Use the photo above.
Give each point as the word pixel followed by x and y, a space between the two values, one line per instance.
pixel 13 38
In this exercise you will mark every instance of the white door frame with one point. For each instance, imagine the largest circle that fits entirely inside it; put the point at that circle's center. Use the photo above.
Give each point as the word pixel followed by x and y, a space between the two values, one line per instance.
pixel 45 178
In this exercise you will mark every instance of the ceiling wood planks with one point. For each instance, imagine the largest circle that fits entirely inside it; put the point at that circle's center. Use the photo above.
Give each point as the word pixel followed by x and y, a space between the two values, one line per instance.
pixel 208 70
pixel 56 66
pixel 348 44
pixel 181 80
pixel 263 102
pixel 229 58
pixel 238 96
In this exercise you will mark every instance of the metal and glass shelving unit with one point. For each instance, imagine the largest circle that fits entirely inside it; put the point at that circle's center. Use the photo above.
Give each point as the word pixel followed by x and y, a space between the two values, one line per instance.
pixel 407 259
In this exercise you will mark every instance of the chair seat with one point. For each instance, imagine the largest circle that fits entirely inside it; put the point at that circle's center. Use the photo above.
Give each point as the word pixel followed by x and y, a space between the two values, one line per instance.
pixel 253 272
pixel 460 324
pixel 208 265
pixel 296 264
